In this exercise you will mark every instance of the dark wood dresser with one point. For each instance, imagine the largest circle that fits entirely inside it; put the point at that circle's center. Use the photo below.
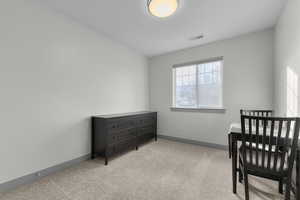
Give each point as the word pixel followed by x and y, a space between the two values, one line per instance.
pixel 113 134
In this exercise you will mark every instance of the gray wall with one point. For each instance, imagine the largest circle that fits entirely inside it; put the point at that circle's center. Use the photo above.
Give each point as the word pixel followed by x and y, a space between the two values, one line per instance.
pixel 248 83
pixel 287 54
pixel 55 74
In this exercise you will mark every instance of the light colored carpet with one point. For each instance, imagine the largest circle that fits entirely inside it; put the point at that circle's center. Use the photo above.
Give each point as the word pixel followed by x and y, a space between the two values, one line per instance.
pixel 162 170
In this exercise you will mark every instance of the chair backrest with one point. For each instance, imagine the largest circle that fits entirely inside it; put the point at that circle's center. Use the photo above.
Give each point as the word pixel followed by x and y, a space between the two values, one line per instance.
pixel 270 142
pixel 261 113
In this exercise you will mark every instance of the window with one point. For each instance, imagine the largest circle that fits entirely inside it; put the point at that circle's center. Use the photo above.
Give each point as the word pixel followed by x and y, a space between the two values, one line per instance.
pixel 198 85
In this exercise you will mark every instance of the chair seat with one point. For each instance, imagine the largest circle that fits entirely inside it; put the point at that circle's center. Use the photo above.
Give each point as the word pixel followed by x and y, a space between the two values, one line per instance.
pixel 260 161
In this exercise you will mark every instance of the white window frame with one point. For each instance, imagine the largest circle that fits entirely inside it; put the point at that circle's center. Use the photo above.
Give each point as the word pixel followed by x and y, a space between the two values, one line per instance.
pixel 174 107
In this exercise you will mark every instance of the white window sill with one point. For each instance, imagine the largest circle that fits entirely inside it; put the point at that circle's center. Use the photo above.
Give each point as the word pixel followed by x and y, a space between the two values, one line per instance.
pixel 202 109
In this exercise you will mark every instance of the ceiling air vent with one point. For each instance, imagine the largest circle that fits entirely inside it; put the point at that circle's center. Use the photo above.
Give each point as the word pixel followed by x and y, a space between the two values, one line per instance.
pixel 197 37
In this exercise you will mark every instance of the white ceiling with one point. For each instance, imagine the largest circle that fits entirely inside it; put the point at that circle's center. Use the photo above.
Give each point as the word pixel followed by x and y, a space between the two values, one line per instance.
pixel 128 21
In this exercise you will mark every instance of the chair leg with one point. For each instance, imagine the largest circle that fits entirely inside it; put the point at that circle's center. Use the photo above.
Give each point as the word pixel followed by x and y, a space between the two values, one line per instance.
pixel 240 171
pixel 246 185
pixel 240 176
pixel 280 187
pixel 288 189
pixel 234 164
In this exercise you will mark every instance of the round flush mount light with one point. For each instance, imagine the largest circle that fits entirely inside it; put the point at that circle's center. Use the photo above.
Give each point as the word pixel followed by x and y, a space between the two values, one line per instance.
pixel 162 8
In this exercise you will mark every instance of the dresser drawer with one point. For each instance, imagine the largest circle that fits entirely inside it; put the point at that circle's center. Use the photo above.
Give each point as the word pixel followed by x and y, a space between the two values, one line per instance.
pixel 118 124
pixel 146 130
pixel 121 135
pixel 123 146
pixel 149 120
pixel 145 137
pixel 110 150
pixel 120 147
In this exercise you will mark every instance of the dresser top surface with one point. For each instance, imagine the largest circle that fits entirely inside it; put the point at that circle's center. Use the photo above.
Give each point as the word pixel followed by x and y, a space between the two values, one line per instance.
pixel 123 114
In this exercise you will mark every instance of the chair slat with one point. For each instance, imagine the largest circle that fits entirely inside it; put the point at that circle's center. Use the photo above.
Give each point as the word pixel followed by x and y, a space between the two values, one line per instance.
pixel 264 142
pixel 270 144
pixel 257 141
pixel 277 145
pixel 288 126
pixel 250 140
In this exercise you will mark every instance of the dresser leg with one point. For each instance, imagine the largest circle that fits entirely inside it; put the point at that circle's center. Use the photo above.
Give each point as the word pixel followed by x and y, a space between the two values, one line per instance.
pixel 106 157
pixel 136 148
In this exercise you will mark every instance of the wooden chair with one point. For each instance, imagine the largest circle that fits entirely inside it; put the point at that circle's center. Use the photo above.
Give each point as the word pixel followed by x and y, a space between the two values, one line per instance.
pixel 263 113
pixel 279 140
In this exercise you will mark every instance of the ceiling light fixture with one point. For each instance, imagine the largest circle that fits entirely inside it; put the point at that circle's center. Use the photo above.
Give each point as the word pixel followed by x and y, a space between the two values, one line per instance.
pixel 162 8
